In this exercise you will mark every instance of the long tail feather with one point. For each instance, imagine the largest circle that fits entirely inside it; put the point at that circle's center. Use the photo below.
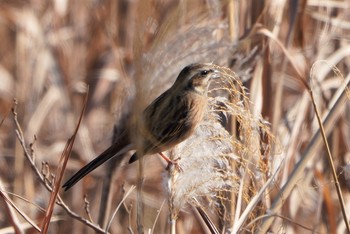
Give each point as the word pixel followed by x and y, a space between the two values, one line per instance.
pixel 109 153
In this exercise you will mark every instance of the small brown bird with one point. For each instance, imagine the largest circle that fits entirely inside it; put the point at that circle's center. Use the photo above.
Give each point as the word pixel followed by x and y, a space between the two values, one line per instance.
pixel 168 120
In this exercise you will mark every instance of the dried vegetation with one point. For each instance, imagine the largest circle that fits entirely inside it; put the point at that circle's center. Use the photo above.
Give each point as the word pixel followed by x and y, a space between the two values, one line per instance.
pixel 258 161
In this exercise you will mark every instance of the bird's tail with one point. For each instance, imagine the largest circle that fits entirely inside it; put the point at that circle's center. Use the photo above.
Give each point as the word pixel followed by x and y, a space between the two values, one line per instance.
pixel 112 151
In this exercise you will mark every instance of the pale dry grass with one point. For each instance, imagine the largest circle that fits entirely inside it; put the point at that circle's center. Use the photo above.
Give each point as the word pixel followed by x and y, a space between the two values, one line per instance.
pixel 128 52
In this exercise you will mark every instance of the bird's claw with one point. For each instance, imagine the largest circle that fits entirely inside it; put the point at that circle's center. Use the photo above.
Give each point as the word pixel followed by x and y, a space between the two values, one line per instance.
pixel 175 163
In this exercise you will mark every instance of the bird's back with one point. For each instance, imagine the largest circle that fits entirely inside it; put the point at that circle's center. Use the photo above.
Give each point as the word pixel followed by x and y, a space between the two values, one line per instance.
pixel 172 120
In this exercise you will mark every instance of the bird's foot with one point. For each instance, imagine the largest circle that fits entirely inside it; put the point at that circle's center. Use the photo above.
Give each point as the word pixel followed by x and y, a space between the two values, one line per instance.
pixel 174 162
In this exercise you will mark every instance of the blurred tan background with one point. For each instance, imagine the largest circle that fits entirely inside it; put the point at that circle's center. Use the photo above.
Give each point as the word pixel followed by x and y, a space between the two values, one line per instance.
pixel 128 52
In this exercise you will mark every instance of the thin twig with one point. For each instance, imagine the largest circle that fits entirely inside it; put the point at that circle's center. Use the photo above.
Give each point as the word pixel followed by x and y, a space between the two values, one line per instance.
pixel 282 217
pixel 128 211
pixel 119 205
pixel 43 180
pixel 87 208
pixel 158 214
pixel 329 155
pixel 254 201
pixel 55 183
pixel 23 199
pixel 205 217
pixel 330 160
pixel 10 207
pixel 139 208
pixel 25 226
pixel 307 155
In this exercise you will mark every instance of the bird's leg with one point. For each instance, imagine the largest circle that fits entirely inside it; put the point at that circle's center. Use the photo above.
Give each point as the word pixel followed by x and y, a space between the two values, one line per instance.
pixel 165 157
pixel 171 162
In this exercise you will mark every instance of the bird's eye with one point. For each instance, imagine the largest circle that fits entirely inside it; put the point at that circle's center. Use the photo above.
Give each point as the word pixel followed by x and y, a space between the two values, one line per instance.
pixel 204 72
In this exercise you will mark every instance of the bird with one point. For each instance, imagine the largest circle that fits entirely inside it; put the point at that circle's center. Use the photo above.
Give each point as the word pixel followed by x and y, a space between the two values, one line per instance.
pixel 170 119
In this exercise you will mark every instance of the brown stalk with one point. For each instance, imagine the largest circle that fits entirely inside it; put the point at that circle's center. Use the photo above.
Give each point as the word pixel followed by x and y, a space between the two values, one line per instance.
pixel 206 219
pixel 10 207
pixel 119 205
pixel 60 171
pixel 330 160
pixel 327 196
pixel 298 169
pixel 28 155
pixel 140 206
pixel 42 178
pixel 309 152
pixel 233 32
pixel 284 218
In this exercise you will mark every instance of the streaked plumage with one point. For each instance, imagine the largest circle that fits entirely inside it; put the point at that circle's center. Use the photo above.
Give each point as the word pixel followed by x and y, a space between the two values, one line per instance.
pixel 167 121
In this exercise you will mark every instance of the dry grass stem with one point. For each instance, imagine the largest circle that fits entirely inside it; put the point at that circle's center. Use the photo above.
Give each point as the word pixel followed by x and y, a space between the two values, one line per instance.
pixel 251 164
pixel 211 150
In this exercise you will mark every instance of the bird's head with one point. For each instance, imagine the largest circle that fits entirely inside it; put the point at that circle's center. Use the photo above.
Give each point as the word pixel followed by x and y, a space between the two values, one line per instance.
pixel 195 77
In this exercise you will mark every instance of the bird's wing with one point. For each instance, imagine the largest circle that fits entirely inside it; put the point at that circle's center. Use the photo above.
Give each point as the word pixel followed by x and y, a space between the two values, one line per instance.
pixel 167 125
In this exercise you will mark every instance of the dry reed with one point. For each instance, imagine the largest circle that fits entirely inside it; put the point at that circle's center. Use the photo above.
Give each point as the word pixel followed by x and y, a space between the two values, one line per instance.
pixel 236 176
